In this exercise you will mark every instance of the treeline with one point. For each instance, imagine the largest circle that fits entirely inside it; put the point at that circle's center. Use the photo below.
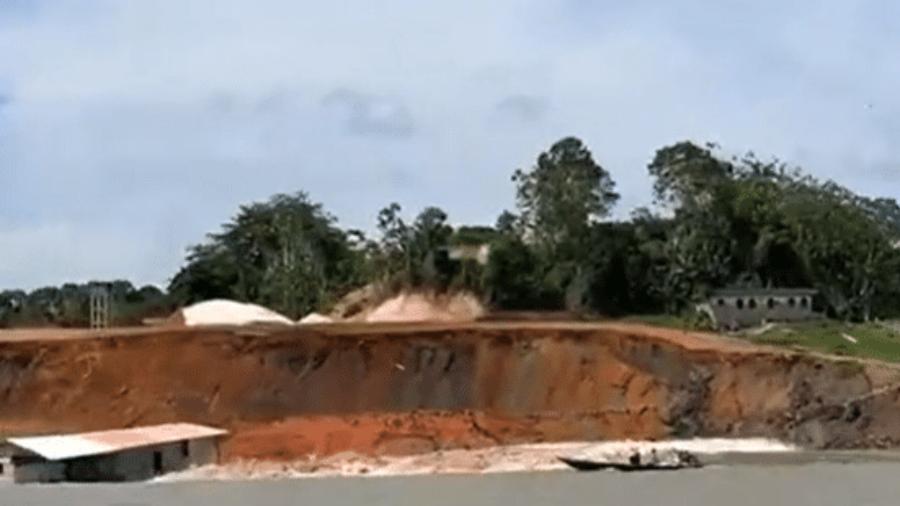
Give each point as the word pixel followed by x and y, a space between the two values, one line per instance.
pixel 69 305
pixel 716 222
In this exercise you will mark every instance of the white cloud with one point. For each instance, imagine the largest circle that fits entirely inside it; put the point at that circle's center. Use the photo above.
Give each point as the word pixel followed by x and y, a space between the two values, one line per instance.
pixel 523 107
pixel 369 115
pixel 150 121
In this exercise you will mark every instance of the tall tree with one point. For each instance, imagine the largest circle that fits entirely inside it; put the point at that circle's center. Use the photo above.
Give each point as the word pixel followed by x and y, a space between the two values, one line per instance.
pixel 561 195
pixel 507 223
pixel 754 222
pixel 689 176
pixel 513 279
pixel 411 255
pixel 850 256
pixel 431 237
pixel 286 253
pixel 394 254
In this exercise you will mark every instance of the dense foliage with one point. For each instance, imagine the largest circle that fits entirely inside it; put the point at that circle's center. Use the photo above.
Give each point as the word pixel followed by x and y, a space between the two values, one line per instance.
pixel 68 305
pixel 286 253
pixel 717 222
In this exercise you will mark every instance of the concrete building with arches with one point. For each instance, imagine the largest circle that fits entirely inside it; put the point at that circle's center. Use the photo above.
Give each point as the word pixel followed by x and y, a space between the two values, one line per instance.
pixel 747 307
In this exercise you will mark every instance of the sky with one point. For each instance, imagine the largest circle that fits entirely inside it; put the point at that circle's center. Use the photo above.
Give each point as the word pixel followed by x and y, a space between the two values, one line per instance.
pixel 131 128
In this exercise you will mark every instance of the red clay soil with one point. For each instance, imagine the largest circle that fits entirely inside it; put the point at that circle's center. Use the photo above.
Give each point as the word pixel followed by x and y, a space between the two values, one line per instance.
pixel 391 388
pixel 419 432
pixel 372 434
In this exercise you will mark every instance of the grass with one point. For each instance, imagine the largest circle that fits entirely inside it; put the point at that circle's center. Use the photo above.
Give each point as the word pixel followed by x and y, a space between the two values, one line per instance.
pixel 880 342
pixel 827 336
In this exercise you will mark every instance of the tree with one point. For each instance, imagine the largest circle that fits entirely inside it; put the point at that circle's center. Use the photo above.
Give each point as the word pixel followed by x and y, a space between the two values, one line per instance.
pixel 68 305
pixel 561 195
pixel 430 239
pixel 736 222
pixel 619 277
pixel 286 253
pixel 689 176
pixel 851 258
pixel 698 248
pixel 513 280
pixel 559 199
pixel 394 254
pixel 413 255
pixel 753 222
pixel 698 255
pixel 507 224
pixel 209 273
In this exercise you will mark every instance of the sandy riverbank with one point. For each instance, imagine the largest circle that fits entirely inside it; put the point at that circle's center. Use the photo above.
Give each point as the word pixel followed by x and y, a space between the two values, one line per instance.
pixel 501 459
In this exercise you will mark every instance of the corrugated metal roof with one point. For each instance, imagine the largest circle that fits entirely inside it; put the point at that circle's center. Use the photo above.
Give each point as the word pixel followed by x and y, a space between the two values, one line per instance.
pixel 68 446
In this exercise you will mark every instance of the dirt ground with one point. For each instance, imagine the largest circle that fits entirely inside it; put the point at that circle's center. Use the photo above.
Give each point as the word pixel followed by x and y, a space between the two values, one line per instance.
pixel 396 388
pixel 690 339
pixel 379 434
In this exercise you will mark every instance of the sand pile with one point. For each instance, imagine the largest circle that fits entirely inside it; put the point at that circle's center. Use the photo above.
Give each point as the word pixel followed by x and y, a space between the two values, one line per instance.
pixel 314 319
pixel 420 307
pixel 355 304
pixel 228 312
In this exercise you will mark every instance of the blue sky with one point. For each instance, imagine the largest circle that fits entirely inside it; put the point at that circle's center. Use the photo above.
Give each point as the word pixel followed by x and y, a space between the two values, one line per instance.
pixel 129 129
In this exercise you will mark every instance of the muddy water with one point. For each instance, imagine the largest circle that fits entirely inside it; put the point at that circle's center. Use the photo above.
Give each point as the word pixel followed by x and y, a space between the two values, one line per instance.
pixel 808 481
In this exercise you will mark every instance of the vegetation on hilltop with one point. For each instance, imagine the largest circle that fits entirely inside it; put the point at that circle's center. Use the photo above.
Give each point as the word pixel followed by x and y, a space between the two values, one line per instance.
pixel 716 222
pixel 69 305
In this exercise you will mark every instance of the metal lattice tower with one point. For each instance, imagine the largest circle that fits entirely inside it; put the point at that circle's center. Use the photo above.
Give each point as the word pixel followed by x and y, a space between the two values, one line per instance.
pixel 99 307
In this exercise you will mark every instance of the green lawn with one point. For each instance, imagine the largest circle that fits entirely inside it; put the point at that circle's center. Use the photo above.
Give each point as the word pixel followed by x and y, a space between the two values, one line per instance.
pixel 873 340
pixel 825 336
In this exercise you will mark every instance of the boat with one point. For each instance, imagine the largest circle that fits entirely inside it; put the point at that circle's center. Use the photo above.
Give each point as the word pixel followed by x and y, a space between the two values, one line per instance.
pixel 635 460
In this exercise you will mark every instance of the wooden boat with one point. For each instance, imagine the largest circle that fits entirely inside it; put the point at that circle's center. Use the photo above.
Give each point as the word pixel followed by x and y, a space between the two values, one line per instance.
pixel 665 460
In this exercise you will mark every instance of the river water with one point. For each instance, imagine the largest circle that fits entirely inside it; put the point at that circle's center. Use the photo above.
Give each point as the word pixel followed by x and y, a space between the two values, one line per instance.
pixel 843 481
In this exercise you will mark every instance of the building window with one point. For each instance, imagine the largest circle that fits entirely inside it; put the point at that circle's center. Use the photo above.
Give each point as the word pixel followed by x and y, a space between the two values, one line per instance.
pixel 721 302
pixel 185 449
pixel 804 302
pixel 739 304
pixel 770 303
pixel 752 303
pixel 792 302
pixel 2 469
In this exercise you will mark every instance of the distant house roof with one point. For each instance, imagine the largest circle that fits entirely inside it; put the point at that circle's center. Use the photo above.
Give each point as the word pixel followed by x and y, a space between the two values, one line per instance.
pixel 477 252
pixel 86 444
pixel 764 292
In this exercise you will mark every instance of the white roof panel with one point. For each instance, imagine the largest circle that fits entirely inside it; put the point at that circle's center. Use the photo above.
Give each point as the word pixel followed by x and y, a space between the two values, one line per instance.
pixel 61 447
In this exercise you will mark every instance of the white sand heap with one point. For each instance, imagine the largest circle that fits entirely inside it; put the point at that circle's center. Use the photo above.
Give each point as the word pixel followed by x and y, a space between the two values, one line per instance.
pixel 417 307
pixel 314 319
pixel 229 312
pixel 498 459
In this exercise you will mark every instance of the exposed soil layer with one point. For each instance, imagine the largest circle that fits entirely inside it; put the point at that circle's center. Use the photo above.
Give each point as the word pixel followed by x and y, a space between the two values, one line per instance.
pixel 416 432
pixel 388 389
